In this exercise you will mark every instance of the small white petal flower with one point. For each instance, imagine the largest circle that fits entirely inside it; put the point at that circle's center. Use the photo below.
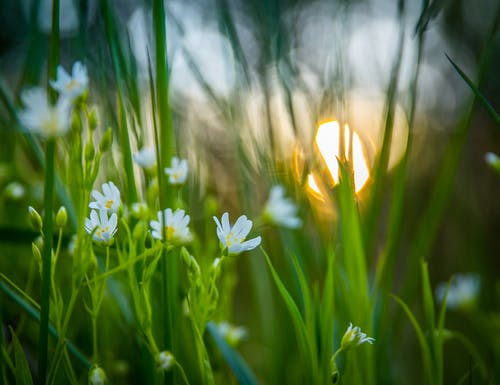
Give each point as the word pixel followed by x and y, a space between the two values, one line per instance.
pixel 109 201
pixel 233 238
pixel 463 292
pixel 165 360
pixel 72 86
pixel 176 226
pixel 354 337
pixel 42 118
pixel 101 227
pixel 232 334
pixel 97 376
pixel 281 210
pixel 177 172
pixel 146 158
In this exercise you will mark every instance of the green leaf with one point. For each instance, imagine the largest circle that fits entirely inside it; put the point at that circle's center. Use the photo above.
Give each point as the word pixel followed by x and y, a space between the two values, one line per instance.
pixel 23 373
pixel 298 322
pixel 240 369
pixel 477 92
pixel 426 354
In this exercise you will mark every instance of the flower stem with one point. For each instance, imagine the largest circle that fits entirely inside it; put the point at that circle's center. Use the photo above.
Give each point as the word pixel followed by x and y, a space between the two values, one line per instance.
pixel 46 264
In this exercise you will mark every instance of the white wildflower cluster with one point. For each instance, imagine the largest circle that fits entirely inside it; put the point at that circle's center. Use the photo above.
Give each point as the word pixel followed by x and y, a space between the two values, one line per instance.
pixel 463 291
pixel 40 116
pixel 100 225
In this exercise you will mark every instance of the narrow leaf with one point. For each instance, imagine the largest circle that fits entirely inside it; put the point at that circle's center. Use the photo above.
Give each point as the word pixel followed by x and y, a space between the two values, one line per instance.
pixel 23 373
pixel 477 92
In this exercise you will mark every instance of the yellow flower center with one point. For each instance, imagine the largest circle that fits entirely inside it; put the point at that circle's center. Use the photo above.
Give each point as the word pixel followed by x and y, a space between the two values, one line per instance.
pixel 109 203
pixel 72 84
pixel 169 232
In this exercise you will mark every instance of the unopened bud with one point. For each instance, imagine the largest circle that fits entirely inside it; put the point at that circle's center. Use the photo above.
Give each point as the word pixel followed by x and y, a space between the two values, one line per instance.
pixel 35 219
pixel 165 361
pixel 97 376
pixel 89 152
pixel 93 118
pixel 106 140
pixel 191 264
pixel 61 217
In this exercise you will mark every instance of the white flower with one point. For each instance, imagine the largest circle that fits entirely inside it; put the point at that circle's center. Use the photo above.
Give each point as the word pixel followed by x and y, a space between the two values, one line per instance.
pixel 233 238
pixel 165 360
pixel 146 158
pixel 97 376
pixel 109 201
pixel 354 337
pixel 101 227
pixel 177 172
pixel 40 117
pixel 232 334
pixel 72 86
pixel 176 226
pixel 463 292
pixel 281 210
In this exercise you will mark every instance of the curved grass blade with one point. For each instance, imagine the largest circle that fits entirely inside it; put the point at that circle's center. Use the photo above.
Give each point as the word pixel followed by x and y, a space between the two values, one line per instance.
pixel 477 92
pixel 426 354
pixel 298 322
pixel 240 369
pixel 22 373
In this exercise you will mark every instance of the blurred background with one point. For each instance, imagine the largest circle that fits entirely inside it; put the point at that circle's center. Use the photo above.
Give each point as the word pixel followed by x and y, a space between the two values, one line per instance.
pixel 269 73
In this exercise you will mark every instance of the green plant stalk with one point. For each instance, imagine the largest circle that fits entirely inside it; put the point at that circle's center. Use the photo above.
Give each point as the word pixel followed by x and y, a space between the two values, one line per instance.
pixel 123 129
pixel 46 264
pixel 168 266
pixel 3 376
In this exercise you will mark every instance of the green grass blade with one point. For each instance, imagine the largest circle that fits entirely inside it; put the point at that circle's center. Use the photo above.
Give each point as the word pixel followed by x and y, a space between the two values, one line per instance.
pixel 477 92
pixel 430 323
pixel 23 374
pixel 426 354
pixel 114 47
pixel 354 253
pixel 298 322
pixel 239 367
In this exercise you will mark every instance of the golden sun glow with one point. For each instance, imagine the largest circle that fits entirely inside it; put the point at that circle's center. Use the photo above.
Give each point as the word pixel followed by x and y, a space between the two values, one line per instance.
pixel 328 142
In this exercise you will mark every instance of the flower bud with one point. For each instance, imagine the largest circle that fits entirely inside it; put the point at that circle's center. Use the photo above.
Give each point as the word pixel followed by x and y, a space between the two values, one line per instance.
pixel 35 219
pixel 97 376
pixel 93 118
pixel 61 217
pixel 165 360
pixel 106 140
pixel 89 152
pixel 192 266
pixel 140 210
